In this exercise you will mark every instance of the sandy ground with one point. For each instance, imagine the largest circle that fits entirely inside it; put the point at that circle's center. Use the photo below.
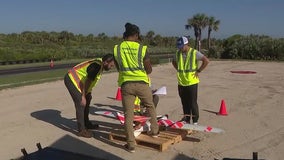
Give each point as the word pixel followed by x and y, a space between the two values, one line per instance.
pixel 44 113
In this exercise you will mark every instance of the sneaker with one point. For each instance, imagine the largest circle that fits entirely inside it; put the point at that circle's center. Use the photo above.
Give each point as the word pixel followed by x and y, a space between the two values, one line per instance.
pixel 90 125
pixel 153 135
pixel 85 133
pixel 195 123
pixel 163 117
pixel 185 119
pixel 129 149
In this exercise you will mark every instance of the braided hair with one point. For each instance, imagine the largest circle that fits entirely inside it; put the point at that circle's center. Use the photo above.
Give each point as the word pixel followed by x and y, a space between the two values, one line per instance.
pixel 130 30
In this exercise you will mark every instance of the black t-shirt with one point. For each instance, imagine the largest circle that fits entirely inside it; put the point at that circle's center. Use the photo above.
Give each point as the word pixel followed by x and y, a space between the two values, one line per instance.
pixel 92 70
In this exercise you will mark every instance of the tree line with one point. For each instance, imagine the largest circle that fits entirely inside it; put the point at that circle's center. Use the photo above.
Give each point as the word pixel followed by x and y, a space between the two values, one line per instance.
pixel 252 47
pixel 42 46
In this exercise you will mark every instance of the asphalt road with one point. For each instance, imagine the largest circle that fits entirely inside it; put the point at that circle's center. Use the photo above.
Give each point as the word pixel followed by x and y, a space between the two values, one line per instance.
pixel 60 66
pixel 33 69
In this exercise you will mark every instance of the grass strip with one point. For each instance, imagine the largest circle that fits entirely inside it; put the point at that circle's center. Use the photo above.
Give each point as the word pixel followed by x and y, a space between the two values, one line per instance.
pixel 17 80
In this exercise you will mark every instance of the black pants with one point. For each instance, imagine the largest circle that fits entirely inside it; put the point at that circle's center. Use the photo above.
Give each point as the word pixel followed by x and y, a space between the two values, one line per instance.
pixel 188 96
pixel 82 112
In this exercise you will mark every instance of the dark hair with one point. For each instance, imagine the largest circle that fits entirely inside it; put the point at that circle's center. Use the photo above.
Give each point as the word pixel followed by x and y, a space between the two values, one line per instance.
pixel 130 30
pixel 108 57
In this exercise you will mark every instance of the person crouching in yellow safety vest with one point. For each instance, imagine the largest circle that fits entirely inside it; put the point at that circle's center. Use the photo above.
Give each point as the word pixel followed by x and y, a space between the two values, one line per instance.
pixel 79 81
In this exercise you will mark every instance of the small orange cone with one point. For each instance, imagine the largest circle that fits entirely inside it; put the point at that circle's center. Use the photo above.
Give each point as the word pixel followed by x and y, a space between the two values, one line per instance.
pixel 223 110
pixel 118 94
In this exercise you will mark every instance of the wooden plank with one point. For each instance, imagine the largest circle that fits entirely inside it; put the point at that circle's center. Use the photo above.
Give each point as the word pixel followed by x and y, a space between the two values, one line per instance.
pixel 161 143
pixel 182 132
pixel 174 137
pixel 145 141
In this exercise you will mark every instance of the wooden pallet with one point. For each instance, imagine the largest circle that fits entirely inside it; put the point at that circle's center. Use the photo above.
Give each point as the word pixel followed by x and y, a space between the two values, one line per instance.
pixel 164 140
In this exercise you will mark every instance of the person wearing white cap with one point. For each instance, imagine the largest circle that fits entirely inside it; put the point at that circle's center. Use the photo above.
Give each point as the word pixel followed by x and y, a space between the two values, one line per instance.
pixel 186 64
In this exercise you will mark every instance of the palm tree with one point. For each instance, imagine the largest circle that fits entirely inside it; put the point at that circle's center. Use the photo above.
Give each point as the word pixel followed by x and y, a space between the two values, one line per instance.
pixel 191 24
pixel 212 25
pixel 197 22
pixel 149 37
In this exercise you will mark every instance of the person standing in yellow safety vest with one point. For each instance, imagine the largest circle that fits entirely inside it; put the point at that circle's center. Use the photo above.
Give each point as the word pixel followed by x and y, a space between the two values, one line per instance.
pixel 133 64
pixel 79 81
pixel 186 64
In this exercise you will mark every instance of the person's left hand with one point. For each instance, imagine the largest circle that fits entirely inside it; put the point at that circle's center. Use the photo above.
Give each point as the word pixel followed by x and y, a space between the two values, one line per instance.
pixel 154 90
pixel 196 75
pixel 83 101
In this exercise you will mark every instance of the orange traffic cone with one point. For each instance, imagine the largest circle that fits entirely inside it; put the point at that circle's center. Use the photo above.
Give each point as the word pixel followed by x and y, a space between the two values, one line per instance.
pixel 118 94
pixel 223 110
pixel 51 63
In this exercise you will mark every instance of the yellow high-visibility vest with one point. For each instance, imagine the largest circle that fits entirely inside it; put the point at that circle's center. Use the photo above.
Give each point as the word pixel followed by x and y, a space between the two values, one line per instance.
pixel 186 69
pixel 137 108
pixel 129 55
pixel 78 74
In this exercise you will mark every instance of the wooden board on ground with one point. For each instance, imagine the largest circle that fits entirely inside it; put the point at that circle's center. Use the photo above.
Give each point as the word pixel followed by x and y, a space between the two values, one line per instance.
pixel 164 140
pixel 181 131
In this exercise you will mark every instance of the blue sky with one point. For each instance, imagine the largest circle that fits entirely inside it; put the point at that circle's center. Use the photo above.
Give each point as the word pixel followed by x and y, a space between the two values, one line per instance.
pixel 164 17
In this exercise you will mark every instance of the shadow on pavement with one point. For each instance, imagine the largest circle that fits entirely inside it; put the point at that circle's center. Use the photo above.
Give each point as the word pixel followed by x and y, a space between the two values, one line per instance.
pixel 71 144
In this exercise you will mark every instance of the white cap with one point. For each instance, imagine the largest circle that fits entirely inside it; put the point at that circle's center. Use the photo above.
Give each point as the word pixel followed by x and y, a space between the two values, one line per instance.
pixel 181 42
